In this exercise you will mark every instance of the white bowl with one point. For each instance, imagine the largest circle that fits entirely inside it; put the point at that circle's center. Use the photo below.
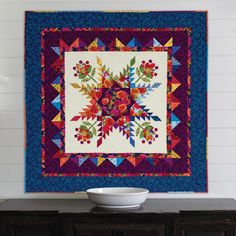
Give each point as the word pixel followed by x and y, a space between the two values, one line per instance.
pixel 117 197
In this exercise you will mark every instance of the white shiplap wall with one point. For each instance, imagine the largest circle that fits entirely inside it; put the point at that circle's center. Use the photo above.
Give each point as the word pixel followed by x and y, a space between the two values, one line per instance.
pixel 222 88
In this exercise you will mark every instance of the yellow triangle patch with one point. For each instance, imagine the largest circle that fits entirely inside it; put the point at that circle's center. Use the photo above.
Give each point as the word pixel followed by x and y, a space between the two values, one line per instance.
pixel 57 117
pixel 174 87
pixel 119 44
pixel 94 44
pixel 57 87
pixel 169 43
pixel 100 160
pixel 174 154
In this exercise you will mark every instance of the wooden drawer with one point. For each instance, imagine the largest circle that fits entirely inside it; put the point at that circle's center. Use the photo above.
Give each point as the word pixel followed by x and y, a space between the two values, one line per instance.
pixel 118 225
pixel 118 230
pixel 208 225
pixel 29 226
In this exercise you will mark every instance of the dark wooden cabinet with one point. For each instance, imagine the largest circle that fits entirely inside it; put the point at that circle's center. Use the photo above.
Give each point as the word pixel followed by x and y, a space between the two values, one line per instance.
pixel 81 218
pixel 120 224
pixel 208 224
pixel 119 230
pixel 25 224
pixel 204 233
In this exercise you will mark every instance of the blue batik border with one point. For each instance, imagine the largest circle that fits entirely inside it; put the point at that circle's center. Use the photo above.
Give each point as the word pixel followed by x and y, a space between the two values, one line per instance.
pixel 36 21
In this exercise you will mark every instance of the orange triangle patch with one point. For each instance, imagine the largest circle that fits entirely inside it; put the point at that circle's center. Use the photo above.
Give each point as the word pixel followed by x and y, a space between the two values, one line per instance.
pixel 63 160
pixel 131 160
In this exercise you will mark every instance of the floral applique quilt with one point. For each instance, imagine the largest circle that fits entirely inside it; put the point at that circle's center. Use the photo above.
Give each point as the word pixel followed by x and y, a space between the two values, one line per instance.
pixel 119 105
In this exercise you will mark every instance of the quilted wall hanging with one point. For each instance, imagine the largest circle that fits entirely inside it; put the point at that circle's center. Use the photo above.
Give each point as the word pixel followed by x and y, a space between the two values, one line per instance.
pixel 116 99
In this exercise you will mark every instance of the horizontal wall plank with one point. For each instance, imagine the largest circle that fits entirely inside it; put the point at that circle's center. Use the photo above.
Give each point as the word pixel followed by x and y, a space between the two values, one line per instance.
pixel 222 101
pixel 217 67
pixel 11 137
pixel 222 28
pixel 12 30
pixel 10 67
pixel 9 102
pixel 221 155
pixel 216 46
pixel 217 10
pixel 12 156
pixel 222 189
pixel 16 190
pixel 11 119
pixel 221 119
pixel 222 173
pixel 14 84
pixel 216 190
pixel 222 137
pixel 11 173
pixel 221 83
pixel 181 3
pixel 11 48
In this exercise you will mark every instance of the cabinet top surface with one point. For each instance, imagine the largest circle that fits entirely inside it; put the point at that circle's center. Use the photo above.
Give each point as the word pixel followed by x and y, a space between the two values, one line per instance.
pixel 150 206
